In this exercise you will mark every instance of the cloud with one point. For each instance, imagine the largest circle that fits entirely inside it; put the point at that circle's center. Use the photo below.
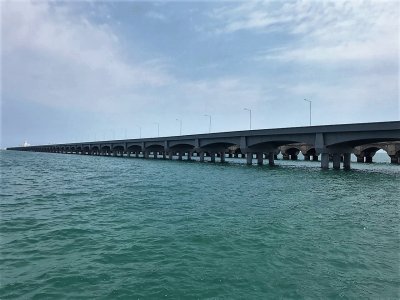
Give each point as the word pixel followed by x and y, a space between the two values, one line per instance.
pixel 55 57
pixel 319 30
pixel 342 51
pixel 97 66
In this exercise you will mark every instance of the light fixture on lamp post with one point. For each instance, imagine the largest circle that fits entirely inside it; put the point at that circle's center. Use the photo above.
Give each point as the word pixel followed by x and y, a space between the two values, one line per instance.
pixel 209 126
pixel 158 128
pixel 180 126
pixel 249 110
pixel 309 102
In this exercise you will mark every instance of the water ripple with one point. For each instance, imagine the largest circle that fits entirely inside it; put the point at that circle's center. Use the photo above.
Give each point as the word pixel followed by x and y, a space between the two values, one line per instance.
pixel 94 227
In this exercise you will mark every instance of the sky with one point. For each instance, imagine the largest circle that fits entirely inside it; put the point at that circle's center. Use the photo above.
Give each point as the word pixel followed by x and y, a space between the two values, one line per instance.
pixel 89 70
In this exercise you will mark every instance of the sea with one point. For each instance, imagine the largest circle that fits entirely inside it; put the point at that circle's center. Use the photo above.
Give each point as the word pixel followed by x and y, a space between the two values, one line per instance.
pixel 93 227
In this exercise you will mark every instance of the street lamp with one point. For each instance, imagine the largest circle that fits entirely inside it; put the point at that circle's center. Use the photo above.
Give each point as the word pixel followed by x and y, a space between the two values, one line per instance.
pixel 140 131
pixel 249 110
pixel 180 126
pixel 158 129
pixel 209 126
pixel 309 102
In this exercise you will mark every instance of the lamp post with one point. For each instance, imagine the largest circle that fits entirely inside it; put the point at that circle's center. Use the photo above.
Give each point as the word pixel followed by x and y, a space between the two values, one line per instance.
pixel 209 126
pixel 309 102
pixel 158 129
pixel 140 131
pixel 180 126
pixel 249 110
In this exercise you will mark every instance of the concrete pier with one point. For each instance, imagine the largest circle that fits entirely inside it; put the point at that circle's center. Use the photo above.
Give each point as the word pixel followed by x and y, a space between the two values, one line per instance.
pixel 337 141
pixel 260 158
pixel 249 157
pixel 325 161
pixel 271 157
pixel 212 155
pixel 222 154
pixel 336 161
pixel 202 156
pixel 346 161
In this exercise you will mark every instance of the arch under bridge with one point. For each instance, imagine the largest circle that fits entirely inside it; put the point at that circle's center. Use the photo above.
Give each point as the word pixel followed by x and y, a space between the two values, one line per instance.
pixel 331 142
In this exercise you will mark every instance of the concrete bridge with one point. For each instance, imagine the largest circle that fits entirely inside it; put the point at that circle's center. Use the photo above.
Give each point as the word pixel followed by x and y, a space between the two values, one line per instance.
pixel 364 153
pixel 330 141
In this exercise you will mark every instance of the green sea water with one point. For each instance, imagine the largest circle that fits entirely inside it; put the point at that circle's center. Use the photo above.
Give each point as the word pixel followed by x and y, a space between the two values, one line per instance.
pixel 86 227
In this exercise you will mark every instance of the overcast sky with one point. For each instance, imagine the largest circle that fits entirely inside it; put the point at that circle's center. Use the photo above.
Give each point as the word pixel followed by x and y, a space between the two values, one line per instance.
pixel 92 70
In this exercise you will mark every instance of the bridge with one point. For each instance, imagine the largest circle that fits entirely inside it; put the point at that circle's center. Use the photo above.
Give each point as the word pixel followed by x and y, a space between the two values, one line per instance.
pixel 332 142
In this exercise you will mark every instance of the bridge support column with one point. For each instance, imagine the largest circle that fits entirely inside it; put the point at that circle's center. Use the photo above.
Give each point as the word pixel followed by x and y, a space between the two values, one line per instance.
pixel 325 161
pixel 146 154
pixel 285 156
pixel 212 155
pixel 202 156
pixel 236 155
pixel 170 155
pixel 315 158
pixel 189 155
pixel 155 153
pixel 249 160
pixel 271 157
pixel 222 156
pixel 394 159
pixel 368 159
pixel 346 161
pixel 306 157
pixel 260 158
pixel 128 153
pixel 180 155
pixel 137 154
pixel 114 153
pixel 360 159
pixel 336 161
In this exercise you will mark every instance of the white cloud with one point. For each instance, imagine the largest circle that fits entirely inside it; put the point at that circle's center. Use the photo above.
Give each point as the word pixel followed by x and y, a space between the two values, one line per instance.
pixel 320 30
pixel 57 56
pixel 62 60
